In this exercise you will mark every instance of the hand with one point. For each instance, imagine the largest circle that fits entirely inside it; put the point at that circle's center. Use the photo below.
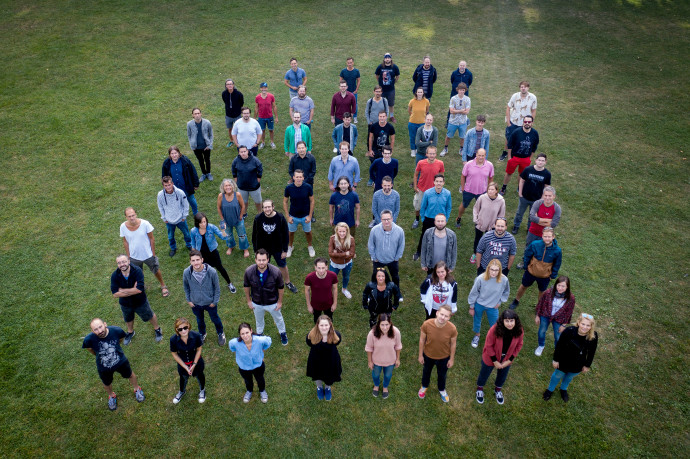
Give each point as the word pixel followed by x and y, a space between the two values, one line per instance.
pixel 211 305
pixel 251 306
pixel 370 153
pixel 585 369
pixel 207 148
pixel 279 305
pixel 331 187
pixel 555 364
pixel 416 190
pixel 471 311
pixel 498 365
pixel 191 305
pixel 275 119
pixel 397 363
pixel 310 309
pixel 283 255
pixel 331 222
pixel 561 329
pixel 347 254
pixel 196 188
pixel 356 223
pixel 289 219
pixel 537 320
pixel 190 370
pixel 450 363
pixel 421 359
pixel 307 219
pixel 333 308
pixel 371 365
pixel 425 269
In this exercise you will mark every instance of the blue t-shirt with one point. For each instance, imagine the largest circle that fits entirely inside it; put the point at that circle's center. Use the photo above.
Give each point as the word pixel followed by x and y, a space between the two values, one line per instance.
pixel 177 175
pixel 350 77
pixel 344 207
pixel 109 354
pixel 299 199
pixel 295 78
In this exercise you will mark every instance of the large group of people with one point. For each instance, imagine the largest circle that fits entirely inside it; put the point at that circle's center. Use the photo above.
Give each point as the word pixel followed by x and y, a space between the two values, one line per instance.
pixel 273 240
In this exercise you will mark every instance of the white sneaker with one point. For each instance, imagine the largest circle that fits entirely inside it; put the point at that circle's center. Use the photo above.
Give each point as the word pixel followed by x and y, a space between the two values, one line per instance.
pixel 372 224
pixel 538 351
pixel 261 146
pixel 289 252
pixel 264 397
pixel 247 397
pixel 346 293
pixel 444 152
pixel 475 341
pixel 355 120
pixel 273 145
pixel 413 153
pixel 312 252
pixel 335 150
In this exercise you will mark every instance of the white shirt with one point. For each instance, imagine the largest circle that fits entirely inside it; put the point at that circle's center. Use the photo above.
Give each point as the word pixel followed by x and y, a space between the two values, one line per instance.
pixel 247 133
pixel 139 243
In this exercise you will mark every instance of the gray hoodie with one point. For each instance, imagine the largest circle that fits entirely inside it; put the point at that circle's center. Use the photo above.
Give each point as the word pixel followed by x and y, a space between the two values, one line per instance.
pixel 173 207
pixel 204 293
pixel 386 247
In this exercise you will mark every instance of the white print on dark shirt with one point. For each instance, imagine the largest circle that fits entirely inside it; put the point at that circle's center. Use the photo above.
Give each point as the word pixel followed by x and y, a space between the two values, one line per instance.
pixel 496 248
pixel 269 228
pixel 535 177
pixel 107 353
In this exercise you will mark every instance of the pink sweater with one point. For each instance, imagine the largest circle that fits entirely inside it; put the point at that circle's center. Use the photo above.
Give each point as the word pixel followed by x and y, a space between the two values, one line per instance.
pixel 383 349
pixel 486 211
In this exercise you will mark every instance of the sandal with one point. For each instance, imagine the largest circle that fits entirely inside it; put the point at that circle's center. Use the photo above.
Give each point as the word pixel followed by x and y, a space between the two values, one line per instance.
pixel 165 292
pixel 229 251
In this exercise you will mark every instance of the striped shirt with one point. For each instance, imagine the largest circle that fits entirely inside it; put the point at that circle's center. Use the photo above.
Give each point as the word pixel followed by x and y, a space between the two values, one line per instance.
pixel 490 246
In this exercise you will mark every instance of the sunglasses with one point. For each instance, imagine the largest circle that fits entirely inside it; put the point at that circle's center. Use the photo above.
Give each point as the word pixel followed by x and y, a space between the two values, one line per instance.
pixel 587 316
pixel 181 329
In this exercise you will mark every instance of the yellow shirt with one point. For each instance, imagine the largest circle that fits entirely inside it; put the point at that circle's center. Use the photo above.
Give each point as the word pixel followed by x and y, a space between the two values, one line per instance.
pixel 419 110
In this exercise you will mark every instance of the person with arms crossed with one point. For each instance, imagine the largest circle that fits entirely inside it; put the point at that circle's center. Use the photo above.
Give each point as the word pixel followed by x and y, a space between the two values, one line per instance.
pixel 341 250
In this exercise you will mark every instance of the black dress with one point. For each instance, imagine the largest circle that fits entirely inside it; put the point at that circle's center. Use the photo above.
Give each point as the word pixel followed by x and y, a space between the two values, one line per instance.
pixel 324 361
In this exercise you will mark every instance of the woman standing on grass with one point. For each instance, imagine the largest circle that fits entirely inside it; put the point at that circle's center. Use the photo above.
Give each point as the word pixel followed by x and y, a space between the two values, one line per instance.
pixel 380 297
pixel 341 250
pixel 502 345
pixel 554 308
pixel 490 289
pixel 323 364
pixel 489 207
pixel 204 240
pixel 417 108
pixel 185 346
pixel 573 355
pixel 438 289
pixel 249 355
pixel 383 352
pixel 231 210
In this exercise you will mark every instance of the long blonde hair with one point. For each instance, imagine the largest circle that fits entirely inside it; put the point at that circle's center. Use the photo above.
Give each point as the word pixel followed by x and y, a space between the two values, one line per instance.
pixel 590 334
pixel 315 335
pixel 345 245
pixel 494 262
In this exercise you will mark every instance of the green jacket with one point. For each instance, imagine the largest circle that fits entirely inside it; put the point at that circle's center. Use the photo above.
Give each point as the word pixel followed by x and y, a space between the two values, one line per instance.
pixel 289 143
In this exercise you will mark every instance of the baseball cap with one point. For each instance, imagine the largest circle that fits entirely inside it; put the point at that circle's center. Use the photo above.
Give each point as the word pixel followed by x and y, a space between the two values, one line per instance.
pixel 263 85
pixel 387 55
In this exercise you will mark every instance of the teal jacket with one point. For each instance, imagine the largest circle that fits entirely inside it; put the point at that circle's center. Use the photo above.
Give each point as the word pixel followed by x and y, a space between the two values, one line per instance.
pixel 289 143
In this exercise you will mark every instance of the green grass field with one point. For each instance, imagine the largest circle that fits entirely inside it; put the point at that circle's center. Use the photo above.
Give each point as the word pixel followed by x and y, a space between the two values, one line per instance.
pixel 93 93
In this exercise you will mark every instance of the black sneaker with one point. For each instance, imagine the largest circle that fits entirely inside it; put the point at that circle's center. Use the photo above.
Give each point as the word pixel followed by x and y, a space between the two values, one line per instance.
pixel 499 397
pixel 514 304
pixel 515 230
pixel 415 257
pixel 291 287
pixel 128 338
pixel 547 395
pixel 203 338
pixel 172 252
pixel 480 396
pixel 159 335
pixel 564 395
pixel 503 191
pixel 458 222
pixel 503 156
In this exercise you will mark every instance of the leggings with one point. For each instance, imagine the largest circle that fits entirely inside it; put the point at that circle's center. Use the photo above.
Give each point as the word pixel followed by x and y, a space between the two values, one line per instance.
pixel 477 236
pixel 441 370
pixel 213 259
pixel 204 157
pixel 257 373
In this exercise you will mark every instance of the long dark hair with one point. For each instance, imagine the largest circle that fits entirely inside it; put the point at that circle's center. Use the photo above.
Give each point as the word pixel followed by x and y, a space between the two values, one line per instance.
pixel 198 217
pixel 567 294
pixel 385 272
pixel 377 328
pixel 239 329
pixel 434 276
pixel 502 331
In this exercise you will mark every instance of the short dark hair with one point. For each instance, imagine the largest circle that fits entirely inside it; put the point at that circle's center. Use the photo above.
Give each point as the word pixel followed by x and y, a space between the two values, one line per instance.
pixel 387 178
pixel 195 253
pixel 320 260
pixel 529 116
pixel 481 118
pixel 347 114
pixel 260 252
pixel 541 155
pixel 387 147
pixel 440 175
pixel 166 179
pixel 198 217
pixel 461 86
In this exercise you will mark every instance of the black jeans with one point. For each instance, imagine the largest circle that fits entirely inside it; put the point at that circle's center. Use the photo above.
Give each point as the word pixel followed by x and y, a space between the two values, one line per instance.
pixel 426 224
pixel 477 236
pixel 257 373
pixel 392 270
pixel 198 373
pixel 204 157
pixel 213 259
pixel 441 370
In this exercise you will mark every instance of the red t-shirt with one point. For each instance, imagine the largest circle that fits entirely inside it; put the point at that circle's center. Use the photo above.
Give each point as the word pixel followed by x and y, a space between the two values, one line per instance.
pixel 542 212
pixel 265 105
pixel 427 171
pixel 321 289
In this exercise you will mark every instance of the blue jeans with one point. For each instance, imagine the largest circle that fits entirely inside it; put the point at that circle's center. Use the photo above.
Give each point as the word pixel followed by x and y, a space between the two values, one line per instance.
pixel 241 235
pixel 544 326
pixel 212 313
pixel 486 370
pixel 192 204
pixel 524 205
pixel 185 232
pixel 387 375
pixel 491 316
pixel 346 273
pixel 412 129
pixel 565 379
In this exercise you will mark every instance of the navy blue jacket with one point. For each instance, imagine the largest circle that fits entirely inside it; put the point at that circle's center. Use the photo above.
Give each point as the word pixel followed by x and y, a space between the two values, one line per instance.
pixel 456 78
pixel 418 80
pixel 191 179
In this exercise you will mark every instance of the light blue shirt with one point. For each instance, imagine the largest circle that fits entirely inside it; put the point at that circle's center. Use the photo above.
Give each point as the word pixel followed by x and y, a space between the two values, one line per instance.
pixel 434 203
pixel 250 359
pixel 295 78
pixel 349 169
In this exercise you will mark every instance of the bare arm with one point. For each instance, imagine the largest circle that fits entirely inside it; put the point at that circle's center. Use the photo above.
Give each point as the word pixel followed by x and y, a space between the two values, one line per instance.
pixel 240 201
pixel 126 244
pixel 520 185
pixel 285 209
pixel 307 298
pixel 153 244
pixel 334 292
pixel 219 205
pixel 453 344
pixel 422 341
pixel 248 296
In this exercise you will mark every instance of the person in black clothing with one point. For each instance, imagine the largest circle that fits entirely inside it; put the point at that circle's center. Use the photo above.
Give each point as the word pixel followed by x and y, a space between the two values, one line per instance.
pixel 573 355
pixel 380 297
pixel 532 182
pixel 522 143
pixel 424 77
pixel 185 347
pixel 323 365
pixel 183 173
pixel 234 101
pixel 270 232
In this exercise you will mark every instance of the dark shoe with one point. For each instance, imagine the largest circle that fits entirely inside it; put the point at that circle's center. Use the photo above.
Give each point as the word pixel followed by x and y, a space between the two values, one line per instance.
pixel 221 339
pixel 503 156
pixel 515 230
pixel 375 392
pixel 172 252
pixel 159 335
pixel 415 257
pixel 128 338
pixel 283 339
pixel 564 395
pixel 514 304
pixel 203 338
pixel 112 403
pixel 458 222
pixel 385 394
pixel 547 395
pixel 499 397
pixel 291 287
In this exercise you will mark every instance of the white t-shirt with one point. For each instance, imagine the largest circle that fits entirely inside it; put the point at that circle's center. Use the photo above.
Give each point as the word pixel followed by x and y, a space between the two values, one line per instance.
pixel 247 133
pixel 139 244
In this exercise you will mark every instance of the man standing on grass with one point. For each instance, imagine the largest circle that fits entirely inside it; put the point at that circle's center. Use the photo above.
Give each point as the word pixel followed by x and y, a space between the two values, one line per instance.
pixel 174 209
pixel 531 187
pixel 386 166
pixel 266 113
pixel 474 181
pixel 294 78
pixel 247 171
pixel 304 105
pixel 345 132
pixel 321 290
pixel 104 343
pixel 520 105
pixel 263 289
pixel 499 244
pixel 270 232
pixel 547 252
pixel 436 200
pixel 388 74
pixel 247 132
pixel 295 133
pixel 385 199
pixel 380 135
pixel 439 244
pixel 437 342
pixel 342 102
pixel 423 179
pixel 376 105
pixel 523 142
pixel 460 75
pixel 344 165
pixel 300 197
pixel 127 285
pixel 545 212
pixel 303 161
pixel 234 101
pixel 459 108
pixel 140 247
pixel 351 76
pixel 476 138
pixel 202 292
pixel 386 245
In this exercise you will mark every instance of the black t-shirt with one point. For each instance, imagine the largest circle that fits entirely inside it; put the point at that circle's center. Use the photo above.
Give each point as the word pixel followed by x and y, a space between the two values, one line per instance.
pixel 109 354
pixel 299 199
pixel 118 281
pixel 382 135
pixel 387 74
pixel 522 144
pixel 534 184
pixel 270 233
pixel 187 352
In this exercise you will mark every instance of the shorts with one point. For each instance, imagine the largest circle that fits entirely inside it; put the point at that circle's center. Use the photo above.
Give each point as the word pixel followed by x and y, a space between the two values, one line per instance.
pixel 296 221
pixel 107 375
pixel 144 312
pixel 264 122
pixel 151 262
pixel 520 163
pixel 510 129
pixel 255 195
pixel 528 280
pixel 467 198
pixel 279 262
pixel 229 122
pixel 460 129
pixel 390 96
pixel 417 200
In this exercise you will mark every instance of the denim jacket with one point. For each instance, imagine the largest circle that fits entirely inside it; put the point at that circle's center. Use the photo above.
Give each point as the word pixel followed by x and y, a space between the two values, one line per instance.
pixel 471 142
pixel 211 232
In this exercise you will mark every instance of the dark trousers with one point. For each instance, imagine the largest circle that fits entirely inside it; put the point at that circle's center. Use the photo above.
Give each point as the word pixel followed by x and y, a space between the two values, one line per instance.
pixel 392 270
pixel 441 370
pixel 426 224
pixel 213 259
pixel 486 370
pixel 212 313
pixel 477 236
pixel 257 373
pixel 430 316
pixel 198 373
pixel 204 157
pixel 318 314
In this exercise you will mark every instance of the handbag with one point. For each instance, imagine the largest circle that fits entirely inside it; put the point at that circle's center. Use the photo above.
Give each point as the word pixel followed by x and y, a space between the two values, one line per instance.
pixel 539 268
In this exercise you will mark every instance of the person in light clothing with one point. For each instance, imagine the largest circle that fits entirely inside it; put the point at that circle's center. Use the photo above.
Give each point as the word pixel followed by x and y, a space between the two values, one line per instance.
pixel 490 289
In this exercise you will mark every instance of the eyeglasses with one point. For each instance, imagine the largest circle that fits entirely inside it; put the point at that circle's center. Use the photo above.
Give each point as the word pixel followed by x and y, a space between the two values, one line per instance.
pixel 181 329
pixel 527 122
pixel 587 316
